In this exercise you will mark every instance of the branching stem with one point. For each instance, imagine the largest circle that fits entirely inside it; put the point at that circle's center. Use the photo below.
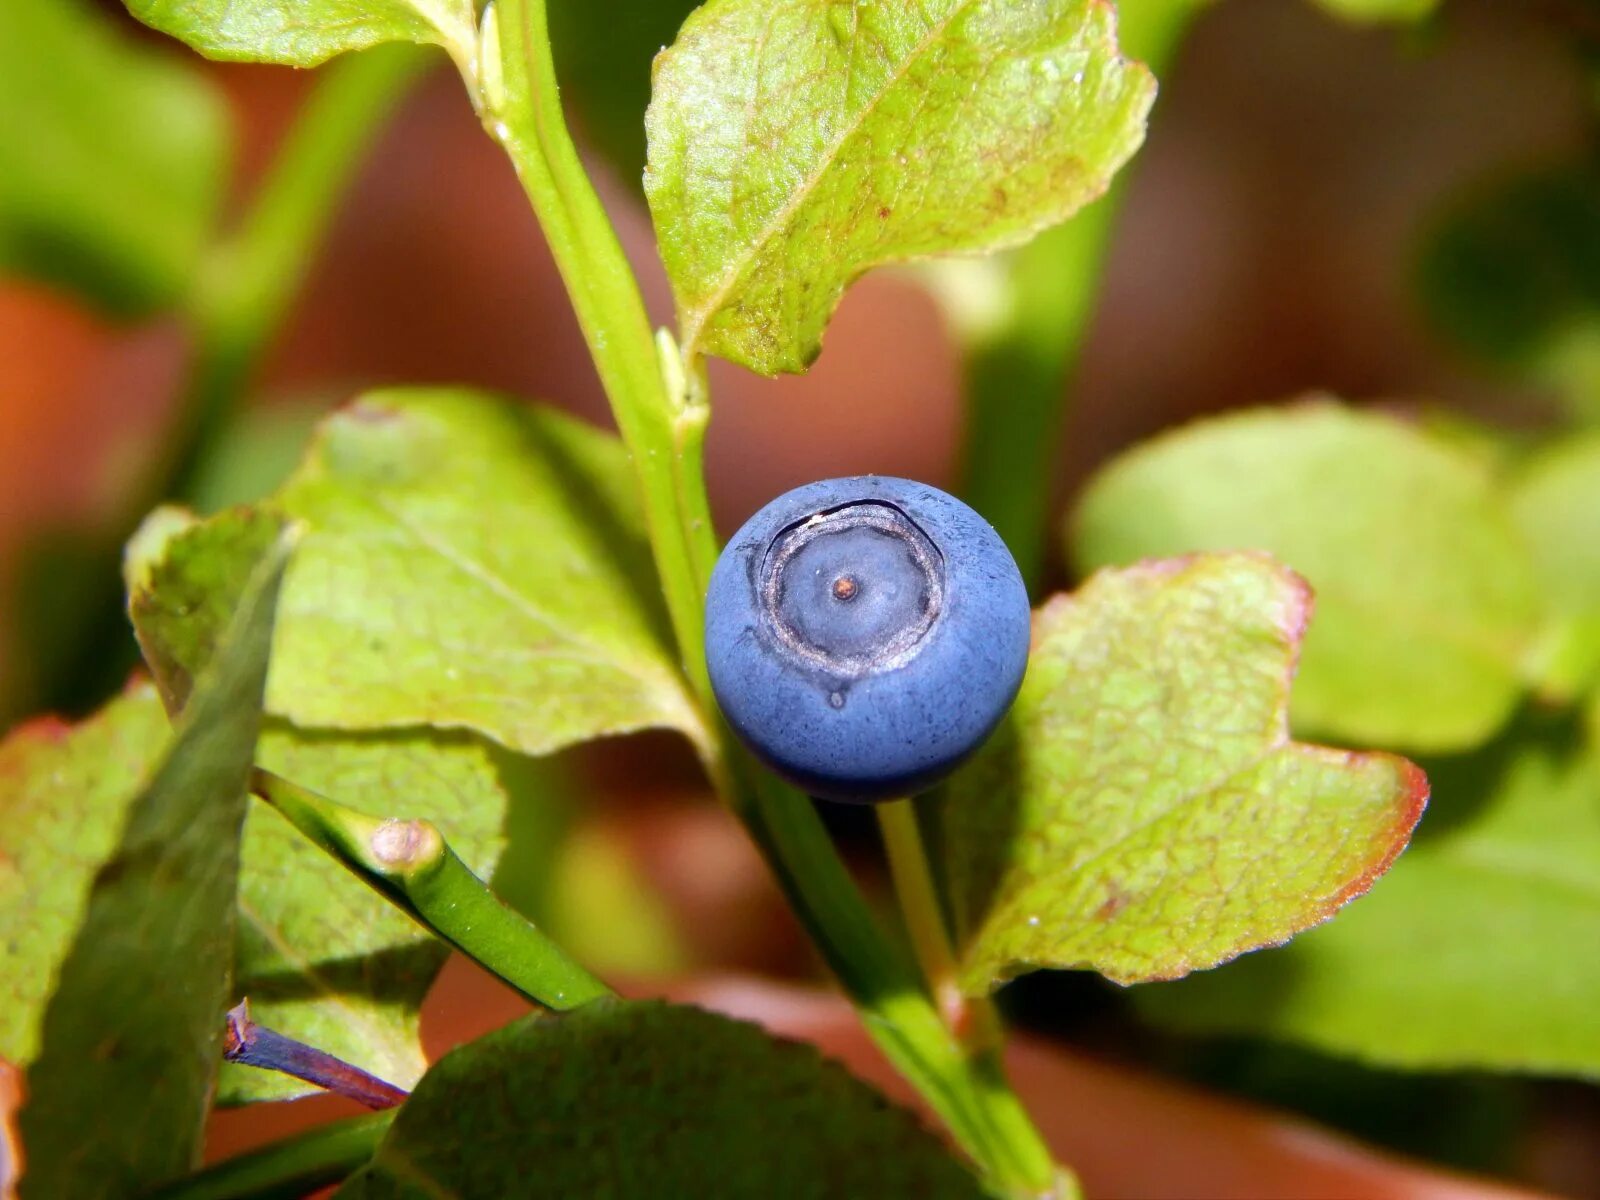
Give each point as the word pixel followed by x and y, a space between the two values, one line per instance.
pixel 409 864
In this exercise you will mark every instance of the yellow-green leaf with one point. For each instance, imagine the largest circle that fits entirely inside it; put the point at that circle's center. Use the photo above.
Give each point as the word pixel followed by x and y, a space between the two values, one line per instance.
pixel 1426 601
pixel 1555 502
pixel 469 563
pixel 303 33
pixel 1143 812
pixel 793 144
pixel 113 158
pixel 1475 952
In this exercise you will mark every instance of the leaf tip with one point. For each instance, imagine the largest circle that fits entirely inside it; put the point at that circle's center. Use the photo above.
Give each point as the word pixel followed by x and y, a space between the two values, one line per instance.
pixel 1412 793
pixel 49 728
pixel 1299 604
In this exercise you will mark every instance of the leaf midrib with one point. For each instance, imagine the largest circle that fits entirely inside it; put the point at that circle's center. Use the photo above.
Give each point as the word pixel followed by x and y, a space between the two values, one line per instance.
pixel 663 686
pixel 739 266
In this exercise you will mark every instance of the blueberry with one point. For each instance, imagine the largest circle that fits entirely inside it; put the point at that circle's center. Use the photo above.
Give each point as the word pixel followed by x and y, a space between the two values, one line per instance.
pixel 865 635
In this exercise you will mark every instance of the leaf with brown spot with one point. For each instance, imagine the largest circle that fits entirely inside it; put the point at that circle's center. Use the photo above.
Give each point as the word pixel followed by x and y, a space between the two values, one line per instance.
pixel 794 144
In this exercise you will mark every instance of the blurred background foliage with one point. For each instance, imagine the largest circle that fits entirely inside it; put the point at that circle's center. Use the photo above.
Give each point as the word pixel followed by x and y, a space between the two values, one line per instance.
pixel 1408 217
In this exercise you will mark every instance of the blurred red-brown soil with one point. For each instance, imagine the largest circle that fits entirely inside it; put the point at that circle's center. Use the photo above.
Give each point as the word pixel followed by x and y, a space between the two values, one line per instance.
pixel 1126 1133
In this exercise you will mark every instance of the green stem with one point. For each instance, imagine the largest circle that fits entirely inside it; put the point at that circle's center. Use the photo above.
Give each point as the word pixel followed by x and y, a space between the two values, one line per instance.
pixel 1018 363
pixel 522 110
pixel 409 864
pixel 923 914
pixel 1015 375
pixel 974 1021
pixel 883 983
pixel 288 1169
pixel 660 405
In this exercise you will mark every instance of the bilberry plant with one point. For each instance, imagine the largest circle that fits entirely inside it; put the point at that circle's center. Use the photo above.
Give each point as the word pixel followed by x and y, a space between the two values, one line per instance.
pixel 348 682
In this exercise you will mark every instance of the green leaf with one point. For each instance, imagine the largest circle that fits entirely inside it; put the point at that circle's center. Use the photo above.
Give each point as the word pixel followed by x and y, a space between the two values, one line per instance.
pixel 180 608
pixel 112 161
pixel 131 1038
pixel 1426 603
pixel 303 33
pixel 650 1099
pixel 1555 502
pixel 468 563
pixel 1020 318
pixel 1143 812
pixel 64 793
pixel 1474 952
pixel 603 54
pixel 321 956
pixel 793 144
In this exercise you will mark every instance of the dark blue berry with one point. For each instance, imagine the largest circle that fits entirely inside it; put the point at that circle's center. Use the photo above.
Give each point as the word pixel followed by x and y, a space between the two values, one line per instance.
pixel 865 635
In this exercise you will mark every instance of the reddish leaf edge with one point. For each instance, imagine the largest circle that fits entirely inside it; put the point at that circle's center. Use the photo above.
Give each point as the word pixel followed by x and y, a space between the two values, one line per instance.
pixel 1412 793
